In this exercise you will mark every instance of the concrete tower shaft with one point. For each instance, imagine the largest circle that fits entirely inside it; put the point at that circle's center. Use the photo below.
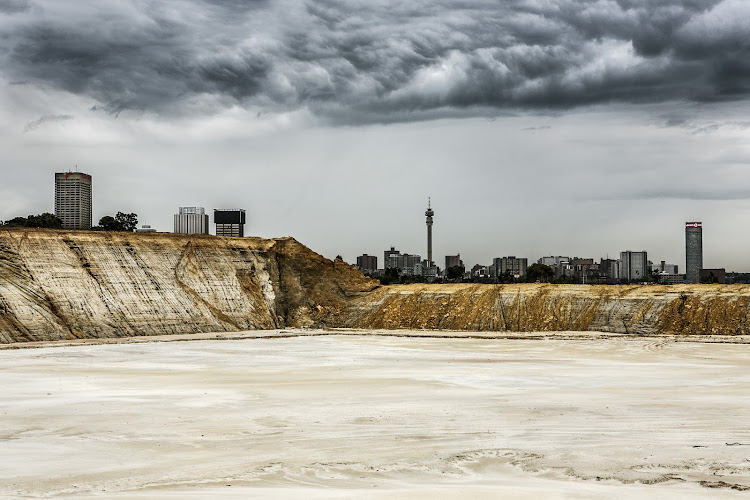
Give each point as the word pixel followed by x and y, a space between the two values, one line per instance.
pixel 429 213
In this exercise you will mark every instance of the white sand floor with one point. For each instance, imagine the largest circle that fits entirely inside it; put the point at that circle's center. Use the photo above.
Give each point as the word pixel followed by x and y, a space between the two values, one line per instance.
pixel 342 416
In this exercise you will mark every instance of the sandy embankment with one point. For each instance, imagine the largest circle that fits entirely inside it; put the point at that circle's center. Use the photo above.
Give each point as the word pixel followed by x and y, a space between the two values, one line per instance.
pixel 358 415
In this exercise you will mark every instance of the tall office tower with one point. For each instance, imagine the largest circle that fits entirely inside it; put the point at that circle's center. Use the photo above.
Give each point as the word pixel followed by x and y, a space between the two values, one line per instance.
pixel 191 220
pixel 367 263
pixel 429 213
pixel 634 265
pixel 390 258
pixel 693 251
pixel 230 222
pixel 515 266
pixel 73 199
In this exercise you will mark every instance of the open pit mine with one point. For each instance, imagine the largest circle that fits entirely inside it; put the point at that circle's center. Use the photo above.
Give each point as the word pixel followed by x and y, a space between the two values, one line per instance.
pixel 65 285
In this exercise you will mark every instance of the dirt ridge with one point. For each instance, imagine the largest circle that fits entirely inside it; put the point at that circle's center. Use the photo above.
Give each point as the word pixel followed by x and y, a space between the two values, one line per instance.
pixel 65 285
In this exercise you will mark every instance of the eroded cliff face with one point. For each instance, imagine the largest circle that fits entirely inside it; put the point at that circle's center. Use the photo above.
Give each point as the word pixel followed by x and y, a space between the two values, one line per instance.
pixel 61 285
pixel 58 285
pixel 647 309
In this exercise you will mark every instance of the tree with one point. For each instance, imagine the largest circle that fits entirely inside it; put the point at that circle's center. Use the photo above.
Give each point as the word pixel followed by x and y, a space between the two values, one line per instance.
pixel 710 278
pixel 120 222
pixel 455 272
pixel 43 220
pixel 16 222
pixel 539 272
pixel 109 223
pixel 506 277
pixel 127 222
pixel 389 276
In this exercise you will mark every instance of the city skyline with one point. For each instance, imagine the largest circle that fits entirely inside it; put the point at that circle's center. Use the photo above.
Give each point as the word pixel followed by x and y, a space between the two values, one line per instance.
pixel 236 219
pixel 573 128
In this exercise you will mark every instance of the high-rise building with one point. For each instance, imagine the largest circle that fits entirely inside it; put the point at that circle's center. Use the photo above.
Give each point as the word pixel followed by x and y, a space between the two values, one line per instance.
pixel 390 258
pixel 610 269
pixel 429 214
pixel 410 265
pixel 453 261
pixel 634 266
pixel 73 199
pixel 512 265
pixel 191 220
pixel 558 263
pixel 367 263
pixel 230 222
pixel 407 264
pixel 693 251
pixel 663 267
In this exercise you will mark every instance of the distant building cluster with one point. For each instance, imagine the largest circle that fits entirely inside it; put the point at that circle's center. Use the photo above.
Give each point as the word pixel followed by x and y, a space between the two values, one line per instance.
pixel 73 195
pixel 631 267
pixel 194 220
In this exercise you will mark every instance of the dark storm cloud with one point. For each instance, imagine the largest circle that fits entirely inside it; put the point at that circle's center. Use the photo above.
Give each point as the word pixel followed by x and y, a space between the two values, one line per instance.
pixel 46 119
pixel 360 61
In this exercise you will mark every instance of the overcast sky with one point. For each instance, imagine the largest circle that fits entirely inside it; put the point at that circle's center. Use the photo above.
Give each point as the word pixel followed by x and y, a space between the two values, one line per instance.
pixel 537 127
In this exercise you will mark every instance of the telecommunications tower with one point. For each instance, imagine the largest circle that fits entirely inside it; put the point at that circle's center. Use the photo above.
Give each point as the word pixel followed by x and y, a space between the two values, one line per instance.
pixel 429 213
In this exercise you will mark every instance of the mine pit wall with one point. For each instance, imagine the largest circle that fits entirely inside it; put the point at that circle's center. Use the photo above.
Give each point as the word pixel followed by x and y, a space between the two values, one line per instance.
pixel 62 285
pixel 646 309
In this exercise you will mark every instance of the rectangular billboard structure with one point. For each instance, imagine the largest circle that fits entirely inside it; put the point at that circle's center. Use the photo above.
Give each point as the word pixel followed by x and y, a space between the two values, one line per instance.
pixel 233 216
pixel 230 222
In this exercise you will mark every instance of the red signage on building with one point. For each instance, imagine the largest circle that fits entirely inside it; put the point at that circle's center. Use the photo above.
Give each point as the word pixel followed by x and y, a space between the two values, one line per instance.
pixel 694 224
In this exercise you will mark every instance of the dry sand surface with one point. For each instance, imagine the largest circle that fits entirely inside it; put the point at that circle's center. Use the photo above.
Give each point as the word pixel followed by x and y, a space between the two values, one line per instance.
pixel 346 414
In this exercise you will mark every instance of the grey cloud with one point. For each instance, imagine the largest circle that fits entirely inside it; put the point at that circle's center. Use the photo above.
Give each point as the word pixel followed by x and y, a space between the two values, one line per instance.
pixel 705 129
pixel 673 120
pixel 382 61
pixel 14 6
pixel 686 194
pixel 697 126
pixel 46 119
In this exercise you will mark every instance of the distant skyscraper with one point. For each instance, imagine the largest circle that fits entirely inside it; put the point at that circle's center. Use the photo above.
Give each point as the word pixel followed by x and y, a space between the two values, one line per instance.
pixel 634 265
pixel 191 220
pixel 367 263
pixel 693 251
pixel 429 213
pixel 390 258
pixel 73 199
pixel 514 266
pixel 230 222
